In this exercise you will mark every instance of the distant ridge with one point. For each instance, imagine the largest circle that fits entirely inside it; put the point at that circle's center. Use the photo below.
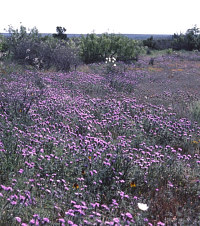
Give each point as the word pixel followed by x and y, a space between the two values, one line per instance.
pixel 131 36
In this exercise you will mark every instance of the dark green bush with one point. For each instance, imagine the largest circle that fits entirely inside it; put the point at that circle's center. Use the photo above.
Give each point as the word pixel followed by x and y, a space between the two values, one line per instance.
pixel 162 44
pixel 159 44
pixel 150 43
pixel 193 39
pixel 3 44
pixel 189 41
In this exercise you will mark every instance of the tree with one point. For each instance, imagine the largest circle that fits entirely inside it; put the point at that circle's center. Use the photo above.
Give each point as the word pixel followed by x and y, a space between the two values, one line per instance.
pixel 60 33
pixel 150 43
pixel 188 41
pixel 192 38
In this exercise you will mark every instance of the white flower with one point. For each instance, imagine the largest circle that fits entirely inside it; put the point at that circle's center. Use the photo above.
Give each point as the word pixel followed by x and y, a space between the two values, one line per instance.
pixel 143 206
pixel 114 65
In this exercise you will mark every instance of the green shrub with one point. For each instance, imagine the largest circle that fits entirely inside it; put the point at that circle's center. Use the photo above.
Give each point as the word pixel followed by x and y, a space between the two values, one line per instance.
pixel 43 53
pixel 190 41
pixel 159 44
pixel 95 48
pixel 149 42
pixel 19 41
pixel 169 51
pixel 59 54
pixel 3 44
pixel 193 38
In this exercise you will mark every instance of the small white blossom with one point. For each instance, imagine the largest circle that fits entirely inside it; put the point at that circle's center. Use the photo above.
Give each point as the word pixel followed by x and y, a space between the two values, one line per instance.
pixel 111 62
pixel 143 206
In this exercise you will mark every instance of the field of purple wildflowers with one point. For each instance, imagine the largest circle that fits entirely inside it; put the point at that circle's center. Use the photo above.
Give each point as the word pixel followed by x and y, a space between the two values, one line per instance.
pixel 89 147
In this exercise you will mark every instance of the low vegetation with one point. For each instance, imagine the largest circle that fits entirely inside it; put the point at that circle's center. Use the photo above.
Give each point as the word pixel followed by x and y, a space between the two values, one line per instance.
pixel 91 141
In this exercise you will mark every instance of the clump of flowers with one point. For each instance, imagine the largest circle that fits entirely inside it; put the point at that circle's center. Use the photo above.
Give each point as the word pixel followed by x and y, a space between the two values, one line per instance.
pixel 111 64
pixel 35 61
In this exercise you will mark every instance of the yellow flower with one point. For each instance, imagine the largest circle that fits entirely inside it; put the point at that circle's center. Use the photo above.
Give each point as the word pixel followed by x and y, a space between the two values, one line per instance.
pixel 75 186
pixel 90 157
pixel 132 184
pixel 195 142
pixel 178 69
pixel 20 110
pixel 155 69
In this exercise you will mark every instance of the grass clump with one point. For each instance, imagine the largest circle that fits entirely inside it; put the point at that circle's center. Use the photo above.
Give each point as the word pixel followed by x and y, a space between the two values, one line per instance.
pixel 195 111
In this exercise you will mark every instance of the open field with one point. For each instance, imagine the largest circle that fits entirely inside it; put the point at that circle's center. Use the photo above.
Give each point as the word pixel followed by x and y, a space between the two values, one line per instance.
pixel 85 147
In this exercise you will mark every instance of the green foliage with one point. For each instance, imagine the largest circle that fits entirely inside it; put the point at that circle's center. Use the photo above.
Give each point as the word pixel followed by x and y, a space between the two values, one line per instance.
pixel 96 48
pixel 193 38
pixel 90 49
pixel 149 43
pixel 19 37
pixel 189 41
pixel 3 44
pixel 178 41
pixel 60 33
pixel 159 44
pixel 169 51
pixel 42 53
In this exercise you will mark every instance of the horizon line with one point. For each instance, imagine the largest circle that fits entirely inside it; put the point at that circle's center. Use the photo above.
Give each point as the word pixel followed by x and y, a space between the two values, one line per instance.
pixel 95 33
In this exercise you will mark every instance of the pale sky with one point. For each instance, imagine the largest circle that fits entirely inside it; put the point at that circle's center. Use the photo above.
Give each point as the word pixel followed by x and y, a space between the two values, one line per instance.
pixel 113 16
